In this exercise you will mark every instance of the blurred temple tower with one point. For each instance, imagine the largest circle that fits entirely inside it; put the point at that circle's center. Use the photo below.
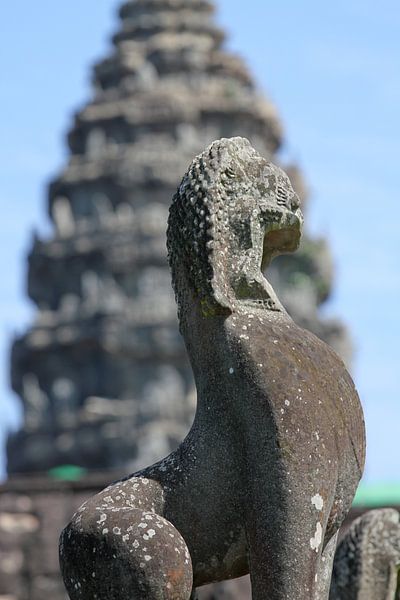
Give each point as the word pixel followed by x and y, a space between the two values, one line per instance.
pixel 102 372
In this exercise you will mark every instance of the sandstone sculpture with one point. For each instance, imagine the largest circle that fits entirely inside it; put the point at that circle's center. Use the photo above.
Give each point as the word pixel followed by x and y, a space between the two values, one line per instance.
pixel 367 560
pixel 268 471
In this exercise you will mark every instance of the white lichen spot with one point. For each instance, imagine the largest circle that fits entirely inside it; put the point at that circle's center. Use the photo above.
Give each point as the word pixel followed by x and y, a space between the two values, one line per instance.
pixel 142 525
pixel 317 501
pixel 231 371
pixel 147 557
pixel 287 403
pixel 103 518
pixel 315 541
pixel 105 530
pixel 117 530
pixel 136 544
pixel 151 533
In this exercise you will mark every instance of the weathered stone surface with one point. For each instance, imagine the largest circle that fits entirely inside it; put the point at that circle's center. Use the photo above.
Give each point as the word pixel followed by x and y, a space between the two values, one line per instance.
pixel 268 471
pixel 20 495
pixel 36 580
pixel 367 560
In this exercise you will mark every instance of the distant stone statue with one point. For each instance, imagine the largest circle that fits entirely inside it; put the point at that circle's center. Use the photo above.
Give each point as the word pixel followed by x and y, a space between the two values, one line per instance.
pixel 63 217
pixel 267 473
pixel 367 561
pixel 36 402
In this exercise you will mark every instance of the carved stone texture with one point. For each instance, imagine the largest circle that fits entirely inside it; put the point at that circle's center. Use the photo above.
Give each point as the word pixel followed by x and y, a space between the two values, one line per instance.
pixel 367 560
pixel 102 373
pixel 268 471
pixel 32 512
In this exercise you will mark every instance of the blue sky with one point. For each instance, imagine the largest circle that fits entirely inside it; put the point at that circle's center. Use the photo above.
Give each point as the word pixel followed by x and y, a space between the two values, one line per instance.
pixel 333 70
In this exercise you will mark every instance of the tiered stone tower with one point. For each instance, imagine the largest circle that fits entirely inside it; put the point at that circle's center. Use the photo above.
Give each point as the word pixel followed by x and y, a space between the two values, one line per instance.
pixel 102 372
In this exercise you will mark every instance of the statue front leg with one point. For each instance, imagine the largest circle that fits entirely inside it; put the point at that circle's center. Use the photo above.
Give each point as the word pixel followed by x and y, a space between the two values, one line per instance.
pixel 283 570
pixel 289 556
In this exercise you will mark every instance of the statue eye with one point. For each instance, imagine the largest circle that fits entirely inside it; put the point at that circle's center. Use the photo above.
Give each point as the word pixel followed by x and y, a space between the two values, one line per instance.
pixel 295 202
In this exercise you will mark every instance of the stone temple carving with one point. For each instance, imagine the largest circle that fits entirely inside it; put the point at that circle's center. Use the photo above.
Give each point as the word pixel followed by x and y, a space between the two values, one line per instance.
pixel 268 471
pixel 104 347
pixel 367 560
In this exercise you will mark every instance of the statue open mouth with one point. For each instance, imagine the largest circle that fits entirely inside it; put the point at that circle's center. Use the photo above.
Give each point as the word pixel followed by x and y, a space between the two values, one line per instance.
pixel 278 241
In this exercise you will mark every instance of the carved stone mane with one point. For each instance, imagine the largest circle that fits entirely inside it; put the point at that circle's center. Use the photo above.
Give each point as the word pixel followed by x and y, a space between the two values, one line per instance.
pixel 232 212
